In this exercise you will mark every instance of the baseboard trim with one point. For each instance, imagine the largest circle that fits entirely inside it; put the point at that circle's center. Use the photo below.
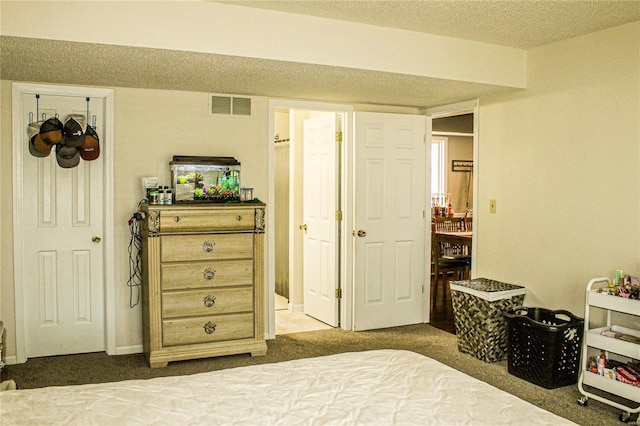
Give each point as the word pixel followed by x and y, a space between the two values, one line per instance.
pixel 123 350
pixel 296 308
pixel 126 350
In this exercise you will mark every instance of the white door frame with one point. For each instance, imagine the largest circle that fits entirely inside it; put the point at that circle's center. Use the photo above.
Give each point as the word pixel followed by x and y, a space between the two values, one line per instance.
pixel 106 150
pixel 456 109
pixel 346 225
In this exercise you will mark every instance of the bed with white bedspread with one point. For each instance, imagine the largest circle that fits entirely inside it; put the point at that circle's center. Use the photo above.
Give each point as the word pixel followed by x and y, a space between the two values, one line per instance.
pixel 357 388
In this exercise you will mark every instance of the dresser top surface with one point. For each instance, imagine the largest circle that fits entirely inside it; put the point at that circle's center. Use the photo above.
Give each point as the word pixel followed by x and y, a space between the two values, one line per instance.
pixel 201 206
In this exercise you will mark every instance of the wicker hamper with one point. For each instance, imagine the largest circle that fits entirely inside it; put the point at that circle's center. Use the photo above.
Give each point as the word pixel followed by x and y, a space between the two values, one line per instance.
pixel 544 346
pixel 478 315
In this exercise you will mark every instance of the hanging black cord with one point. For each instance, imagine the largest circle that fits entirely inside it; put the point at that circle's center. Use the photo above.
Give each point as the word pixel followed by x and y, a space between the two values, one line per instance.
pixel 135 270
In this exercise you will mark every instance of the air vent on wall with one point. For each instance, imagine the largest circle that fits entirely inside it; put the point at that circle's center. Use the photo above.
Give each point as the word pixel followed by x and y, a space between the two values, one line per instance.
pixel 230 105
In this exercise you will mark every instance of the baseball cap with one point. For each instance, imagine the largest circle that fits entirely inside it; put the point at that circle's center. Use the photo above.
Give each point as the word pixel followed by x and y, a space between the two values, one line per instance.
pixel 74 125
pixel 67 156
pixel 34 133
pixel 90 149
pixel 50 134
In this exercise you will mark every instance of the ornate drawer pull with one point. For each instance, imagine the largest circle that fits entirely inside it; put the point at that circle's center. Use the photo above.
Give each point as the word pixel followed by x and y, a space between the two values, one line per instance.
pixel 238 218
pixel 176 219
pixel 208 246
pixel 208 273
pixel 210 327
pixel 209 301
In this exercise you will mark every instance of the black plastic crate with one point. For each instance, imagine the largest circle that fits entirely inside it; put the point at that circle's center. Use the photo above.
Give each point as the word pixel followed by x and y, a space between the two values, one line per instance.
pixel 544 346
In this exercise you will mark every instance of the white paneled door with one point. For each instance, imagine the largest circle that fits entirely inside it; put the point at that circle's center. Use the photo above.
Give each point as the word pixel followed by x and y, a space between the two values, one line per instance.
pixel 320 206
pixel 389 249
pixel 62 220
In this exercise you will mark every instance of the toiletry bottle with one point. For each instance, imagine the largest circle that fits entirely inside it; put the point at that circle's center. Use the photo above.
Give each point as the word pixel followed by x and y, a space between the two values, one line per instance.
pixel 166 195
pixel 154 196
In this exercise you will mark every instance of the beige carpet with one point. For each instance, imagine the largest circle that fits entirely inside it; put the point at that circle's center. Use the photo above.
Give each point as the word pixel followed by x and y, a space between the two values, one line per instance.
pixel 424 339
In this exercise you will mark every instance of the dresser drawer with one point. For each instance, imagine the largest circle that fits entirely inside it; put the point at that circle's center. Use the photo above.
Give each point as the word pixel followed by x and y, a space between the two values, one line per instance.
pixel 216 273
pixel 206 220
pixel 176 248
pixel 207 302
pixel 207 329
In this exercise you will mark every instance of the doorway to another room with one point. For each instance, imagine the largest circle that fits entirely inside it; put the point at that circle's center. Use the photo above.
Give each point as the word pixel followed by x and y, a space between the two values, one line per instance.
pixel 356 236
pixel 306 199
pixel 452 168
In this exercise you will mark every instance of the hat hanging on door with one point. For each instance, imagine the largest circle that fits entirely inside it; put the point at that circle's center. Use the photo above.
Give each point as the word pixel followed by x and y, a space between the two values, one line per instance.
pixel 50 135
pixel 34 133
pixel 67 156
pixel 74 125
pixel 75 139
pixel 90 149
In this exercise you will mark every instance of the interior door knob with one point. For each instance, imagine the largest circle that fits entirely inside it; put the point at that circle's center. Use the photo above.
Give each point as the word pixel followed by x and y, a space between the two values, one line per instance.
pixel 96 239
pixel 362 233
pixel 303 227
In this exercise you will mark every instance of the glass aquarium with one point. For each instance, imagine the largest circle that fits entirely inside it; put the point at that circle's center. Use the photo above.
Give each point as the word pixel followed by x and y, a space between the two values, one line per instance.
pixel 205 179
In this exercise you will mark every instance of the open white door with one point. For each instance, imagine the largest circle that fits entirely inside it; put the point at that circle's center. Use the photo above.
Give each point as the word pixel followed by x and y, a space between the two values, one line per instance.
pixel 63 227
pixel 389 247
pixel 320 206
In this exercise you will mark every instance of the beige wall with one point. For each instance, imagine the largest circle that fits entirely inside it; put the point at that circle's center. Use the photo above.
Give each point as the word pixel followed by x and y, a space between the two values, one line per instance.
pixel 281 124
pixel 459 148
pixel 281 203
pixel 562 159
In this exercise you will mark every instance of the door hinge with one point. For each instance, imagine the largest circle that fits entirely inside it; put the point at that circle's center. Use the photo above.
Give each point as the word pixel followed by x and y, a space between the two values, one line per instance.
pixel 338 293
pixel 338 215
pixel 338 136
pixel 424 138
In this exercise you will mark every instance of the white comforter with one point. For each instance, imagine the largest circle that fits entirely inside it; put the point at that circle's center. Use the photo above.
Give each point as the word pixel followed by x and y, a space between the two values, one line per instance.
pixel 363 388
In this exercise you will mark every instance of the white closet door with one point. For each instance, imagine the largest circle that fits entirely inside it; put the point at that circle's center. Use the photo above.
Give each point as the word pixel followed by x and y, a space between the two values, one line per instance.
pixel 63 252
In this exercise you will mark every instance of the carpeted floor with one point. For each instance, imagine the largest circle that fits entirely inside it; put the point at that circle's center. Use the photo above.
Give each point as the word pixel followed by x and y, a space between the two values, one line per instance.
pixel 421 338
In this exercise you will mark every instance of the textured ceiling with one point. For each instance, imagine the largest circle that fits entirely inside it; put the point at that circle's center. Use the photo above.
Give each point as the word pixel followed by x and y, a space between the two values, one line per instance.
pixel 105 65
pixel 512 23
pixel 516 23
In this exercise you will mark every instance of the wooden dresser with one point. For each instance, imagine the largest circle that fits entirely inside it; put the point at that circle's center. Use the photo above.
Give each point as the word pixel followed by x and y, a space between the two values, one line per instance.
pixel 203 280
